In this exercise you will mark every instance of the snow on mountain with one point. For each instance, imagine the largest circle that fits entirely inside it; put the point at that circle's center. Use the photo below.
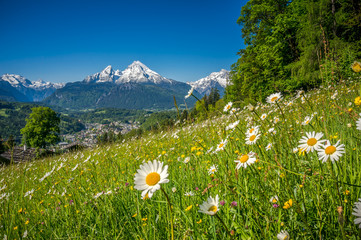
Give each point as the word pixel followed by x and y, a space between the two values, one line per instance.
pixel 136 72
pixel 217 80
pixel 32 90
pixel 18 81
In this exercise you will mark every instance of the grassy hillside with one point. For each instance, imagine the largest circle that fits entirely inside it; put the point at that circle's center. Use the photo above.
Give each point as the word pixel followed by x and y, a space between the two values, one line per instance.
pixel 91 194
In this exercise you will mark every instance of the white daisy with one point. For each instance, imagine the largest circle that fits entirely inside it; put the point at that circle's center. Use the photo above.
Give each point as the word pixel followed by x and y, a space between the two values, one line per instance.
pixel 252 138
pixel 245 160
pixel 221 145
pixel 273 98
pixel 227 107
pixel 357 212
pixel 269 146
pixel 358 123
pixel 186 160
pixel 334 152
pixel 149 177
pixel 212 169
pixel 276 120
pixel 188 194
pixel 283 235
pixel 190 92
pixel 272 130
pixel 307 120
pixel 253 129
pixel 210 207
pixel 311 141
pixel 174 189
pixel 232 125
pixel 263 116
pixel 274 199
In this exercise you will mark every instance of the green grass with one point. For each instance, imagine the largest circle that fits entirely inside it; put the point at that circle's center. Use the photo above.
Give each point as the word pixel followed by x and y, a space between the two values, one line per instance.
pixel 63 205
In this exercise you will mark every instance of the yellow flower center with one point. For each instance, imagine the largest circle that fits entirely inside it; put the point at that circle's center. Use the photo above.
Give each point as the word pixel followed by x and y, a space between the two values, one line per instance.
pixel 311 141
pixel 244 158
pixel 252 138
pixel 251 131
pixel 274 200
pixel 229 106
pixel 330 150
pixel 285 238
pixel 274 99
pixel 152 178
pixel 221 145
pixel 212 209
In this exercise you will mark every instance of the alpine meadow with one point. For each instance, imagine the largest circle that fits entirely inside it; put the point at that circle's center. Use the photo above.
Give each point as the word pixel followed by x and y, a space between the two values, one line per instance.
pixel 278 156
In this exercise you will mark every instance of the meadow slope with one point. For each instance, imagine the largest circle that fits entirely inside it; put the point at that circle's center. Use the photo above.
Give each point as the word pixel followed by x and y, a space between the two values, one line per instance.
pixel 279 186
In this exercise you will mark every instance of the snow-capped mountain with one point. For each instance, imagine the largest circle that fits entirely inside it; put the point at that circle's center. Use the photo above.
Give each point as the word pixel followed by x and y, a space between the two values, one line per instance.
pixel 217 80
pixel 33 91
pixel 136 72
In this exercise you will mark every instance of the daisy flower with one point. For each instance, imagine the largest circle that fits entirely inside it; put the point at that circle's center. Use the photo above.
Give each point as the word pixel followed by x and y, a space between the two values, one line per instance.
pixel 221 145
pixel 357 212
pixel 273 98
pixel 334 152
pixel 253 129
pixel 283 235
pixel 358 123
pixel 272 130
pixel 274 199
pixel 311 142
pixel 190 92
pixel 356 66
pixel 269 146
pixel 212 169
pixel 227 107
pixel 245 160
pixel 307 120
pixel 232 125
pixel 263 116
pixel 186 160
pixel 149 177
pixel 210 207
pixel 252 138
pixel 276 120
pixel 188 194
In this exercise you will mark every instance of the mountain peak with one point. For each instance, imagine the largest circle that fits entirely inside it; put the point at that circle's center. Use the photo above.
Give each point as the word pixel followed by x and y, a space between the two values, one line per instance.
pixel 108 70
pixel 217 80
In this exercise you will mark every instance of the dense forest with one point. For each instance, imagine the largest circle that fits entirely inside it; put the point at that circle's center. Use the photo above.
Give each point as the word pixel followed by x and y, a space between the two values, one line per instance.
pixel 293 45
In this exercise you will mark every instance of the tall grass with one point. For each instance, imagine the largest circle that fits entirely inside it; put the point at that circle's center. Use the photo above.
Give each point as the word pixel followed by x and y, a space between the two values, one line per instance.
pixel 90 194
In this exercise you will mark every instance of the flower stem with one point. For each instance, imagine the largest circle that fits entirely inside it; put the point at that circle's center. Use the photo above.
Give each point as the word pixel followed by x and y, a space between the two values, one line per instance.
pixel 170 210
pixel 225 226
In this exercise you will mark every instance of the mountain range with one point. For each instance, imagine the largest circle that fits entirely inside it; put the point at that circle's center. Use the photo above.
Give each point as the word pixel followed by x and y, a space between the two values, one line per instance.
pixel 136 87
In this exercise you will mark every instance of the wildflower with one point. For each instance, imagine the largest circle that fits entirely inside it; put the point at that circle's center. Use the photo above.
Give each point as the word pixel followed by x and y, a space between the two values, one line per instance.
pixel 283 235
pixel 250 107
pixel 126 184
pixel 358 123
pixel 232 125
pixel 188 194
pixel 186 160
pixel 356 66
pixel 210 207
pixel 276 120
pixel 357 212
pixel 311 142
pixel 227 107
pixel 263 116
pixel 252 138
pixel 269 146
pixel 149 177
pixel 174 189
pixel 212 169
pixel 200 220
pixel 221 145
pixel 190 92
pixel 288 204
pixel 245 160
pixel 234 204
pixel 252 129
pixel 273 98
pixel 358 101
pixel 222 202
pixel 307 120
pixel 188 208
pixel 25 234
pixel 334 152
pixel 274 199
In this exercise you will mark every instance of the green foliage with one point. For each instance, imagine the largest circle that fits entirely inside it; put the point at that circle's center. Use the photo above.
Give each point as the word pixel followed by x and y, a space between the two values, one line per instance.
pixel 159 120
pixel 209 105
pixel 42 128
pixel 294 45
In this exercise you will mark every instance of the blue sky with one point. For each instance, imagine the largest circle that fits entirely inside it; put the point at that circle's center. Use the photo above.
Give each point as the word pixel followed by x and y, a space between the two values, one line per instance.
pixel 64 41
